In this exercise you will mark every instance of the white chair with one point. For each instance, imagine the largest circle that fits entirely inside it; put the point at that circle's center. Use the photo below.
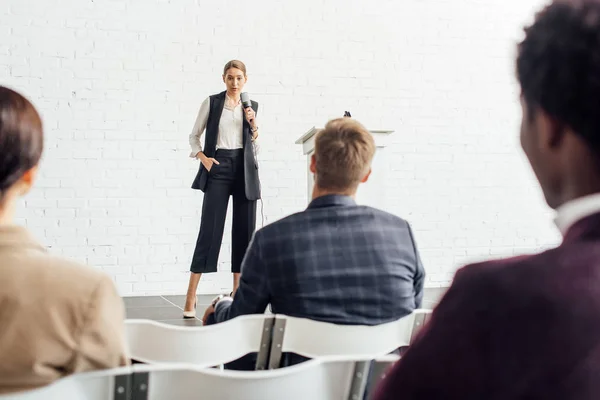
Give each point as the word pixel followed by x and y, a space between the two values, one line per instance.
pixel 314 380
pixel 111 384
pixel 314 339
pixel 154 342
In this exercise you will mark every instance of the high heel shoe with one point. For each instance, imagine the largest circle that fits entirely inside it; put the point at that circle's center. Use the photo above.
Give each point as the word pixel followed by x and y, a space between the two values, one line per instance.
pixel 190 314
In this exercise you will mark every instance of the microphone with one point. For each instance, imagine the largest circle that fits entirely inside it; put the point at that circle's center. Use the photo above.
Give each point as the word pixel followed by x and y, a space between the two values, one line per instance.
pixel 245 97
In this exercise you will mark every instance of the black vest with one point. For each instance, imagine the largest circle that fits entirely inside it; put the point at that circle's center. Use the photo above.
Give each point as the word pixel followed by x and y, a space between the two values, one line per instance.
pixel 251 180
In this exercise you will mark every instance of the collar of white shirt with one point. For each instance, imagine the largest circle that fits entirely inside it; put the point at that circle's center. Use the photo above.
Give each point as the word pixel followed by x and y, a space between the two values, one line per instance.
pixel 575 210
pixel 232 101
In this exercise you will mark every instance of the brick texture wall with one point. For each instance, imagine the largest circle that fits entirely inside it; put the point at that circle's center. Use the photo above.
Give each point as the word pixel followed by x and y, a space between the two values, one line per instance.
pixel 119 83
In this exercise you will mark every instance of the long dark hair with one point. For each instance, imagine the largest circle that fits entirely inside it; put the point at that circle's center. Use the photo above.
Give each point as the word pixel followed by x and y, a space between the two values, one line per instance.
pixel 21 137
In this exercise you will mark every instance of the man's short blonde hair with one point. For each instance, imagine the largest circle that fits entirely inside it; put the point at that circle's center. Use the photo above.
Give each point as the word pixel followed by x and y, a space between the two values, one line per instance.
pixel 344 151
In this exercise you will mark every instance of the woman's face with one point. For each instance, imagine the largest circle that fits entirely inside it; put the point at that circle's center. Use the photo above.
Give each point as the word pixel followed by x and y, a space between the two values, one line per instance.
pixel 234 80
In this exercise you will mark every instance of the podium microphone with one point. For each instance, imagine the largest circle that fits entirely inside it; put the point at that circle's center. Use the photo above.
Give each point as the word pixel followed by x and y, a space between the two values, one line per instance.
pixel 245 97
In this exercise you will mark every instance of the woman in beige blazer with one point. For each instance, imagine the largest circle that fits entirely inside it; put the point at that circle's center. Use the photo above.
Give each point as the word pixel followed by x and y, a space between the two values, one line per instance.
pixel 56 317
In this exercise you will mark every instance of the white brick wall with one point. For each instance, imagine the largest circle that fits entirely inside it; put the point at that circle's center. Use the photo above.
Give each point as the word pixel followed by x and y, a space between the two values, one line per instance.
pixel 119 83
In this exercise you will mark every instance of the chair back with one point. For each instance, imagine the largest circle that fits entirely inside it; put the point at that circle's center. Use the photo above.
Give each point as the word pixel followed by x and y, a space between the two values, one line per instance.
pixel 111 384
pixel 322 379
pixel 154 342
pixel 314 380
pixel 315 339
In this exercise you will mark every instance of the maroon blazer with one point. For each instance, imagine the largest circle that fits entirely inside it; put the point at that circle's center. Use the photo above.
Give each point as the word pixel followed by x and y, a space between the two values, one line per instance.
pixel 522 328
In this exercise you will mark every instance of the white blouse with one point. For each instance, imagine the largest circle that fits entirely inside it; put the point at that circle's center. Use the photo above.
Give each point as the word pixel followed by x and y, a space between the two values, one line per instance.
pixel 230 128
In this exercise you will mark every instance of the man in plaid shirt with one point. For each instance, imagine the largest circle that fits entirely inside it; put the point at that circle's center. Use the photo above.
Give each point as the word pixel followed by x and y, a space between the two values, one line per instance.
pixel 336 261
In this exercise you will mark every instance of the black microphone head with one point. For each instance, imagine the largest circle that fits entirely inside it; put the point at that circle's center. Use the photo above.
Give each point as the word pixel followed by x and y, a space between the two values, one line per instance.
pixel 245 97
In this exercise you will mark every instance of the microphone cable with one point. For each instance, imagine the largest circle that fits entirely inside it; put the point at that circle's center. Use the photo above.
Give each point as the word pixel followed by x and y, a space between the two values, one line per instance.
pixel 262 209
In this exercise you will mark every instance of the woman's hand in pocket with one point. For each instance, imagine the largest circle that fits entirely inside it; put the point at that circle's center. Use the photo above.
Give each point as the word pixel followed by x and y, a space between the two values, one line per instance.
pixel 207 161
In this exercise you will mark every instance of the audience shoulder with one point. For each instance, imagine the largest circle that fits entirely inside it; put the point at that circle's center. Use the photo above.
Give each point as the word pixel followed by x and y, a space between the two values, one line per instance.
pixel 488 270
pixel 276 225
pixel 77 277
pixel 384 215
pixel 293 220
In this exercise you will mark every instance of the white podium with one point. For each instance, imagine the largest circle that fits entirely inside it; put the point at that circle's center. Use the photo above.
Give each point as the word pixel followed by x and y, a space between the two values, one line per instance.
pixel 371 193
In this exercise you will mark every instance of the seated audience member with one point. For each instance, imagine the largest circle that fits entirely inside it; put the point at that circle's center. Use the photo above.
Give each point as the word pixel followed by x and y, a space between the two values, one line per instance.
pixel 529 327
pixel 336 261
pixel 56 316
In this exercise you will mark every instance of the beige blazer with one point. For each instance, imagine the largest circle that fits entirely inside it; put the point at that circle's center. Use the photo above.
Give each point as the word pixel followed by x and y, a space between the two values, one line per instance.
pixel 56 317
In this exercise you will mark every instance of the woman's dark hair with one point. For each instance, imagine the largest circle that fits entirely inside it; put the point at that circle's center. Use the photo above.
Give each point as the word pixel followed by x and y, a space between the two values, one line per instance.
pixel 558 66
pixel 21 137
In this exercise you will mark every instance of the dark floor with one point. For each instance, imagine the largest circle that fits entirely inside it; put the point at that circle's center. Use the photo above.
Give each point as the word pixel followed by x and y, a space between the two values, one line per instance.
pixel 169 309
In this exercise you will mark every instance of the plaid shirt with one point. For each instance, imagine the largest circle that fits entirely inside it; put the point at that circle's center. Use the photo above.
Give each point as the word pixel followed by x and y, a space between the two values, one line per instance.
pixel 335 262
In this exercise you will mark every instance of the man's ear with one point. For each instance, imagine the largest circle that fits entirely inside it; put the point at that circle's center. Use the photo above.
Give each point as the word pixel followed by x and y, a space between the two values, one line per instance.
pixel 366 177
pixel 550 130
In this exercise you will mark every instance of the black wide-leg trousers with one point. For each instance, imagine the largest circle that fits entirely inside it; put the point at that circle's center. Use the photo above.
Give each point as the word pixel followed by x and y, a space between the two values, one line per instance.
pixel 224 180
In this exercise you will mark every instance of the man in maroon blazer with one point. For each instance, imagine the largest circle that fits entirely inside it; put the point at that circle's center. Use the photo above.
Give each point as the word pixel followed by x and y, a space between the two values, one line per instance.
pixel 529 327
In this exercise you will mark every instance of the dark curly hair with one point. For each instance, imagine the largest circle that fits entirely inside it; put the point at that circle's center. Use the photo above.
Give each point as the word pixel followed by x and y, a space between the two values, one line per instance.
pixel 21 137
pixel 558 66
